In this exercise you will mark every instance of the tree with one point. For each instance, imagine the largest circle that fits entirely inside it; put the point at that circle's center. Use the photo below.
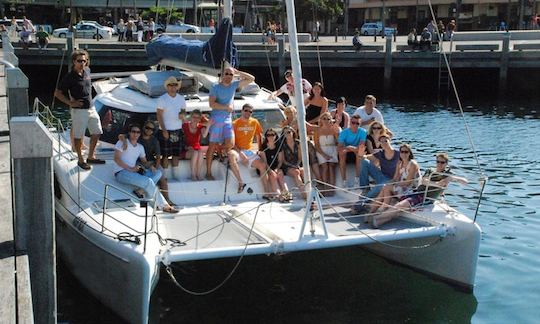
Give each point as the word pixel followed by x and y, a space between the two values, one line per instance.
pixel 322 9
pixel 163 13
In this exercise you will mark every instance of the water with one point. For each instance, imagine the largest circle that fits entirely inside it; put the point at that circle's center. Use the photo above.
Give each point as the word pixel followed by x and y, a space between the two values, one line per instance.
pixel 350 285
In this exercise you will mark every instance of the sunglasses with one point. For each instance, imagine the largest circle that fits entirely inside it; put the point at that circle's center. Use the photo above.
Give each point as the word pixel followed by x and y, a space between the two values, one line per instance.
pixel 172 85
pixel 82 61
pixel 376 128
pixel 404 151
pixel 355 123
pixel 149 128
pixel 441 162
pixel 270 134
pixel 135 132
pixel 228 74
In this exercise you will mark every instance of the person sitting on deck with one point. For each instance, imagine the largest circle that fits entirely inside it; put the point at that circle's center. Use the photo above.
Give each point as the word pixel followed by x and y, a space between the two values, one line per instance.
pixel 128 172
pixel 433 184
pixel 247 128
pixel 381 166
pixel 412 39
pixel 196 127
pixel 292 158
pixel 357 43
pixel 404 182
pixel 270 152
pixel 351 146
pixel 340 116
pixel 368 112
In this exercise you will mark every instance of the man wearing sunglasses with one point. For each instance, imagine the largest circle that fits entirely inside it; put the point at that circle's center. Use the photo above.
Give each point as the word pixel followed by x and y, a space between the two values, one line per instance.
pixel 75 90
pixel 221 101
pixel 351 146
pixel 432 186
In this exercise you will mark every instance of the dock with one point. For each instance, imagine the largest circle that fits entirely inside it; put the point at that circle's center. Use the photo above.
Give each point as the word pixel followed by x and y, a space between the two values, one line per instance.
pixel 15 294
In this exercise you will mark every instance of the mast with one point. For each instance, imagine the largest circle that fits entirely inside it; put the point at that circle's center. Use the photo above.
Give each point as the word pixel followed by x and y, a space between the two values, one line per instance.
pixel 227 9
pixel 298 97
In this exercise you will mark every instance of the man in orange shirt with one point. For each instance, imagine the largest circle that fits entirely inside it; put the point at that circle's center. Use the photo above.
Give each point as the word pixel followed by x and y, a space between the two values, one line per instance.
pixel 246 129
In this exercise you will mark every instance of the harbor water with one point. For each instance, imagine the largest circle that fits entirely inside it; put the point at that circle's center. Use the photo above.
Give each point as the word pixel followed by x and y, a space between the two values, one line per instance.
pixel 350 285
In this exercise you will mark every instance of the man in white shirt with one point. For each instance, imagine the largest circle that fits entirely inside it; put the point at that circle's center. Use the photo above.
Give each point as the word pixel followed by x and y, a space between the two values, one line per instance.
pixel 368 113
pixel 171 108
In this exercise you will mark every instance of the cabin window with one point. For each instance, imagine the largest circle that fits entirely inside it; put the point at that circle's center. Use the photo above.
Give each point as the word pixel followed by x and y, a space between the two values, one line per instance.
pixel 115 122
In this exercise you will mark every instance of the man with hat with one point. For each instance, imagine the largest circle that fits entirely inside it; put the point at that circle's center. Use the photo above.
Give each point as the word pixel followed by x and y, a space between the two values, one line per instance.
pixel 171 108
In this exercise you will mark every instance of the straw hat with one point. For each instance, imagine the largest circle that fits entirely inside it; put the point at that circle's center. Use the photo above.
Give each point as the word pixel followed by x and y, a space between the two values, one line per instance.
pixel 171 80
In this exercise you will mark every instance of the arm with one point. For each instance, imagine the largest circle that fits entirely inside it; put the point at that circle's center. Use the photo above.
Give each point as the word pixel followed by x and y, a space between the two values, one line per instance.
pixel 396 173
pixel 161 123
pixel 413 169
pixel 118 160
pixel 71 103
pixel 215 105
pixel 274 94
pixel 244 77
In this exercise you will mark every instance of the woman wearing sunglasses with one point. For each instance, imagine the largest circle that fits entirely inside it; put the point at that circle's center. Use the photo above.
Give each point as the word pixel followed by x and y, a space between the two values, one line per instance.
pixel 326 137
pixel 196 127
pixel 273 157
pixel 432 186
pixel 292 158
pixel 375 129
pixel 404 182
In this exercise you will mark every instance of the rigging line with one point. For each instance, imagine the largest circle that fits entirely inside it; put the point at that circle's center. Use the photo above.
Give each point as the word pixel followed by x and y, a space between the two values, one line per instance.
pixel 451 75
pixel 266 49
pixel 317 43
pixel 203 293
pixel 58 76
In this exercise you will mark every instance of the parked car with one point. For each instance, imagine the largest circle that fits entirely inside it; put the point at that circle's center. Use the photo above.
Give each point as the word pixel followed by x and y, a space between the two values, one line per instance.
pixel 180 27
pixel 370 29
pixel 95 23
pixel 84 30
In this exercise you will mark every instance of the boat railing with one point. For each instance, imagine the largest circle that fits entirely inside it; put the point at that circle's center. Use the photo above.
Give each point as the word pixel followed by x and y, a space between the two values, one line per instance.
pixel 45 114
pixel 143 203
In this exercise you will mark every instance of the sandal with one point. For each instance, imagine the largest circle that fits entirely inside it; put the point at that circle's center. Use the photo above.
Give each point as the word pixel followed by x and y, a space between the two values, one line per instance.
pixel 84 165
pixel 138 194
pixel 241 187
pixel 95 161
pixel 170 210
pixel 210 177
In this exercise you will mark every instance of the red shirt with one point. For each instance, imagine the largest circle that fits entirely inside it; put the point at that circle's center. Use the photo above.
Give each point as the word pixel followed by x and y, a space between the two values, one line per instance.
pixel 192 139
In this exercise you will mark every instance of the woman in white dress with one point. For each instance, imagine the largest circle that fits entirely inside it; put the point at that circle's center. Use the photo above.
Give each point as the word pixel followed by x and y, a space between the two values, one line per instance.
pixel 325 138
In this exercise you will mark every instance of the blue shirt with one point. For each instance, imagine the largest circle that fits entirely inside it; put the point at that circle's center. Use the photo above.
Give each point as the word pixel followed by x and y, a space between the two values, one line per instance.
pixel 224 96
pixel 348 138
pixel 388 167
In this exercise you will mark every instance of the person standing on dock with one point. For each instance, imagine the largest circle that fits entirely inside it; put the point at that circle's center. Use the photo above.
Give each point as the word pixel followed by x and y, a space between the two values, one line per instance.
pixel 75 90
pixel 222 103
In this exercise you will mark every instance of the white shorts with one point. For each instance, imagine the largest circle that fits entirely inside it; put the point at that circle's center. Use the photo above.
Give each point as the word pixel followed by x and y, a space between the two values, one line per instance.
pixel 251 156
pixel 85 118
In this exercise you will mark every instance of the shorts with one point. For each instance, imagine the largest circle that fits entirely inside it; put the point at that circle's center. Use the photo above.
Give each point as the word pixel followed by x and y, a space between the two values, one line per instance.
pixel 414 199
pixel 219 132
pixel 175 145
pixel 251 156
pixel 85 118
pixel 350 157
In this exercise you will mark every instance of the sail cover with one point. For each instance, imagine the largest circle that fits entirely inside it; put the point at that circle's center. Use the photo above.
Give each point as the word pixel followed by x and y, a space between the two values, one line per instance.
pixel 195 52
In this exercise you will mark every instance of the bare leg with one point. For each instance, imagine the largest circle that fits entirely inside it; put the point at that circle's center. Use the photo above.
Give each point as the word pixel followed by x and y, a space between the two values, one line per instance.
pixel 233 164
pixel 342 155
pixel 392 212
pixel 193 163
pixel 332 177
pixel 209 158
pixel 93 142
pixel 78 149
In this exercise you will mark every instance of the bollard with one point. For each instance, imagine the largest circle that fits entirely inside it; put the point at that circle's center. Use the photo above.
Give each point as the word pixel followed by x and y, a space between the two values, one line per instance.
pixel 503 70
pixel 388 65
pixel 31 151
pixel 336 34
pixel 17 92
pixel 375 37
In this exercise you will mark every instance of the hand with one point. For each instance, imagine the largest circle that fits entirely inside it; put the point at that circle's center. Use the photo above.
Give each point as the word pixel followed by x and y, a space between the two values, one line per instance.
pixel 76 103
pixel 230 108
pixel 165 134
pixel 153 169
pixel 134 169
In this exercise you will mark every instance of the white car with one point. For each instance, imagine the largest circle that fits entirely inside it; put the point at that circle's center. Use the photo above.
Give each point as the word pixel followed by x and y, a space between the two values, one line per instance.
pixel 95 23
pixel 370 29
pixel 85 30
pixel 180 27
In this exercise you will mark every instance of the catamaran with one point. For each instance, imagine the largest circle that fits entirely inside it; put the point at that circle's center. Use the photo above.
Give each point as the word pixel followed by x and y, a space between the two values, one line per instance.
pixel 116 244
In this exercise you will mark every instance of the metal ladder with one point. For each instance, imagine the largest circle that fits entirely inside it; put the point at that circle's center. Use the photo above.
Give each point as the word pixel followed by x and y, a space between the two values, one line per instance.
pixel 443 88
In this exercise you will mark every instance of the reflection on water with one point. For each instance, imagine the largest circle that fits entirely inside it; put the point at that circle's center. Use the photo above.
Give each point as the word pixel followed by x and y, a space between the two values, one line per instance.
pixel 351 285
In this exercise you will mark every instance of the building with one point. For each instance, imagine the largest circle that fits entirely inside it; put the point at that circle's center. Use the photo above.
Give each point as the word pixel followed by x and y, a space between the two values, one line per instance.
pixel 469 14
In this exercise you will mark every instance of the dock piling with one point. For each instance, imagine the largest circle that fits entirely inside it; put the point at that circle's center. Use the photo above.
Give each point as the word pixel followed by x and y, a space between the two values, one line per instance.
pixel 503 70
pixel 31 151
pixel 17 92
pixel 388 65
